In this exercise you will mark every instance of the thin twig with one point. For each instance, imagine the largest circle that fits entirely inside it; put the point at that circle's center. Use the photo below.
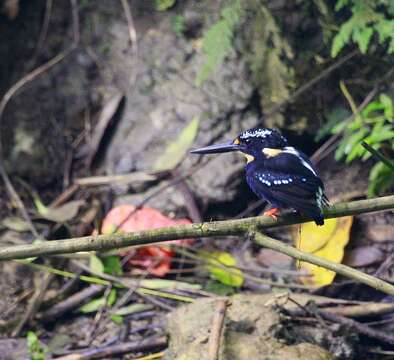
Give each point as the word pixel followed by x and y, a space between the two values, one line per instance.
pixel 310 83
pixel 216 329
pixel 71 303
pixel 34 304
pixel 363 329
pixel 44 29
pixel 130 25
pixel 213 229
pixel 384 267
pixel 362 310
pixel 117 349
pixel 378 155
pixel 341 269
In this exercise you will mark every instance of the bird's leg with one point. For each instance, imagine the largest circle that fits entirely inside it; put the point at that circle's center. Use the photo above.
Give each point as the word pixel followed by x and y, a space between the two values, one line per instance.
pixel 273 213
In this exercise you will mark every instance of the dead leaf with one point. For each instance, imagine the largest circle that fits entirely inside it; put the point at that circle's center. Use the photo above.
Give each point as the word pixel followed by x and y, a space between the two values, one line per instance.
pixel 62 213
pixel 154 259
pixel 177 149
pixel 332 238
pixel 364 256
pixel 15 223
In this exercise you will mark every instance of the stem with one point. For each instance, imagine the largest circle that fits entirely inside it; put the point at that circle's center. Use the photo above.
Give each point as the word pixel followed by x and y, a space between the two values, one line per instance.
pixel 208 229
pixel 378 155
pixel 344 270
pixel 212 229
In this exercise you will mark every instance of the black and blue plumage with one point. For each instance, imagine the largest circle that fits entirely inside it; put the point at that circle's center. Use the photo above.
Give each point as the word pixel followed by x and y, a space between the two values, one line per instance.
pixel 277 172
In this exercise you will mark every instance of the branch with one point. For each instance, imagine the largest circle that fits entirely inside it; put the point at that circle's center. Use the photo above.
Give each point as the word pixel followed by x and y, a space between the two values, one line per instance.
pixel 341 269
pixel 219 228
pixel 208 229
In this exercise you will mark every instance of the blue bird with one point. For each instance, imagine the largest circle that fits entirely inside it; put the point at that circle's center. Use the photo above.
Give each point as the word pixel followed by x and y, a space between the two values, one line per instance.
pixel 277 172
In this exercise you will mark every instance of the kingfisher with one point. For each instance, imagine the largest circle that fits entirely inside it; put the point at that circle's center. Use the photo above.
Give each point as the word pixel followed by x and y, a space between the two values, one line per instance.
pixel 277 172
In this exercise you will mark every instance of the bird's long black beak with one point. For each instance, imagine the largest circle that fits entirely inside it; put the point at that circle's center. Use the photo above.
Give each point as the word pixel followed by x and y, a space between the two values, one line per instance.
pixel 217 148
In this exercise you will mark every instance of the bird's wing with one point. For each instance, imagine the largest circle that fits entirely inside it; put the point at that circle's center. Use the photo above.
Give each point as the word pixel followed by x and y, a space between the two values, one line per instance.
pixel 289 179
pixel 290 160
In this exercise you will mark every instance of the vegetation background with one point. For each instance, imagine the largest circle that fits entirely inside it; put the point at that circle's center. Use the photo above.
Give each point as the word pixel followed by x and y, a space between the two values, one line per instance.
pixel 101 102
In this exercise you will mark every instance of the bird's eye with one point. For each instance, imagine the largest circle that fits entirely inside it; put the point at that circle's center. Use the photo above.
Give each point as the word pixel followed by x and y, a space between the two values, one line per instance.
pixel 247 141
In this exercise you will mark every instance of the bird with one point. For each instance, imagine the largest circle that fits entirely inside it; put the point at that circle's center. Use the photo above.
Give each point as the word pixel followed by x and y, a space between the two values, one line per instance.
pixel 276 172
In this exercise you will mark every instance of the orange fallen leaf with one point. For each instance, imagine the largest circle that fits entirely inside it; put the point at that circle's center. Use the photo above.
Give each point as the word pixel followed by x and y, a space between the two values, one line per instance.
pixel 156 259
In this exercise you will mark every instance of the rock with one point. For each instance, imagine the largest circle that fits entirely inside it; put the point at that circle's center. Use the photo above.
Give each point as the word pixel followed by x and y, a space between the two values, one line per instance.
pixel 11 349
pixel 249 332
pixel 164 100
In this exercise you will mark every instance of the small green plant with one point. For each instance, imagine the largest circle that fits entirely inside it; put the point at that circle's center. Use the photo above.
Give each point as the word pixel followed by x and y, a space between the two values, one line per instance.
pixel 36 350
pixel 163 5
pixel 178 23
pixel 374 125
pixel 368 17
pixel 218 40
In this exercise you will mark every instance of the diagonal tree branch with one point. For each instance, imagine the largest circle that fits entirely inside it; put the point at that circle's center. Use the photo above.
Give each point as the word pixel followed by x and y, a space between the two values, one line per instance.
pixel 208 229
pixel 246 226
pixel 341 269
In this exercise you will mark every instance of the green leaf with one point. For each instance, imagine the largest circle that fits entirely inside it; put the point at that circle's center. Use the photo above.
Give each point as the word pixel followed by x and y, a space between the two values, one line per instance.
pixel 112 297
pixel 339 127
pixel 165 284
pixel 334 119
pixel 176 150
pixel 218 39
pixel 92 306
pixel 132 309
pixel 163 5
pixel 58 214
pixel 112 265
pixel 388 106
pixel 36 350
pixel 216 265
pixel 219 288
pixel 340 4
pixel 373 106
pixel 117 319
pixel 96 304
pixel 178 23
pixel 381 179
pixel 362 37
pixel 95 264
pixel 32 339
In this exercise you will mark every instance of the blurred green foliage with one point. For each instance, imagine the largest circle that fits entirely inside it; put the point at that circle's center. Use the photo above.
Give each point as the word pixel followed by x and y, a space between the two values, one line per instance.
pixel 374 125
pixel 36 350
pixel 163 5
pixel 178 24
pixel 218 39
pixel 368 24
pixel 367 17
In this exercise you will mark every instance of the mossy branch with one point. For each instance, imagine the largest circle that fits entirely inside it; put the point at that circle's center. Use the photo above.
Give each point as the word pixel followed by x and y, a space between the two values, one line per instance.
pixel 212 229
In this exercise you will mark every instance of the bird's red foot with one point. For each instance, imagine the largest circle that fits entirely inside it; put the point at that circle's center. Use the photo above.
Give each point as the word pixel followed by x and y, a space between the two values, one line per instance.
pixel 273 213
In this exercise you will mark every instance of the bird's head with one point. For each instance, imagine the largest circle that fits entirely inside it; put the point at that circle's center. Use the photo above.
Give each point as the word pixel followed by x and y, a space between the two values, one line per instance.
pixel 254 144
